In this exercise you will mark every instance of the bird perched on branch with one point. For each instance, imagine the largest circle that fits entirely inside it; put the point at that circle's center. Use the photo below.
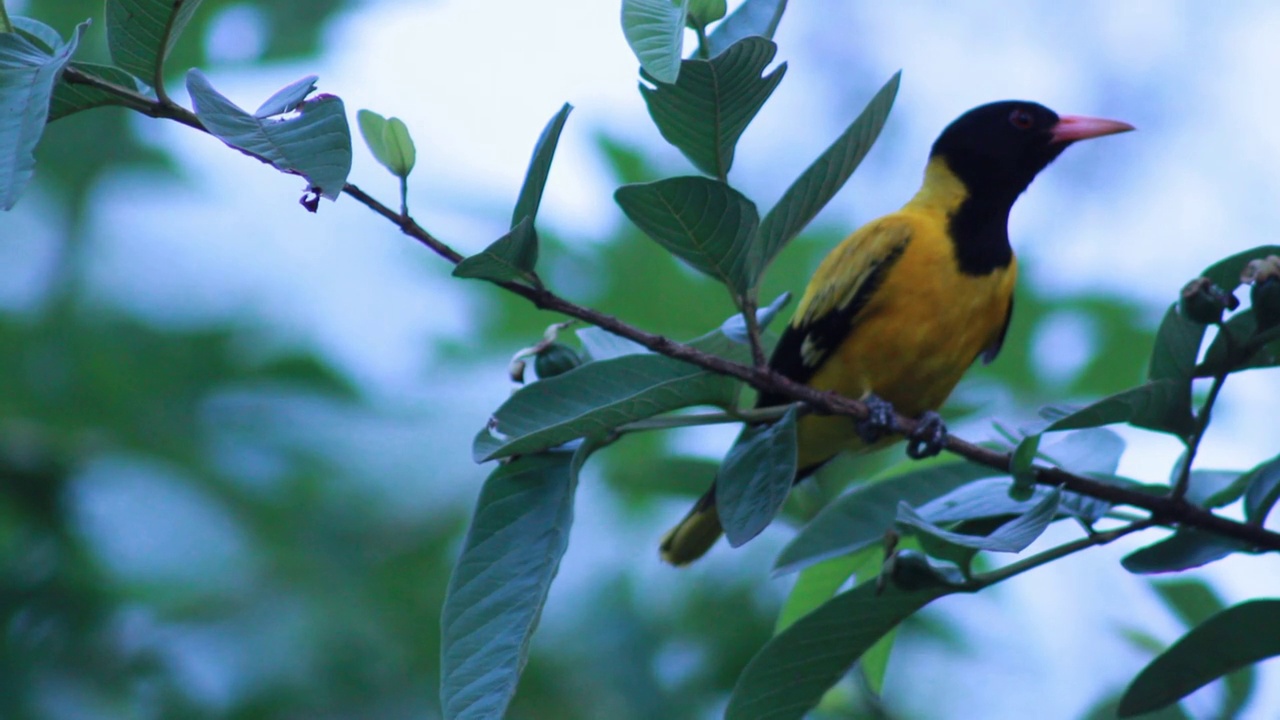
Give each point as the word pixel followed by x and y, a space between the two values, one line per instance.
pixel 899 310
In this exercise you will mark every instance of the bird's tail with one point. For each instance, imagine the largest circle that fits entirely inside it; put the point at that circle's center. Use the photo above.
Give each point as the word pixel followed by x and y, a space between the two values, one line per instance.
pixel 695 534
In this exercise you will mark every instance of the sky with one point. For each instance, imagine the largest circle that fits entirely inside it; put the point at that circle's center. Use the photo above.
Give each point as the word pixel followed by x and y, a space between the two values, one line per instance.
pixel 1138 214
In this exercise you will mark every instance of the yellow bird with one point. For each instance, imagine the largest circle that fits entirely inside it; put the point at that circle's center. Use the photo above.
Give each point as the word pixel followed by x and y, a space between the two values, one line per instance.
pixel 900 309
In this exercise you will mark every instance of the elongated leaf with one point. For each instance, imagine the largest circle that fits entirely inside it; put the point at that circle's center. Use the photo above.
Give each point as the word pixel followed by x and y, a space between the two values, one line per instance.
pixel 1177 344
pixel 991 498
pixel 604 345
pixel 861 517
pixel 755 478
pixel 511 553
pixel 705 112
pixel 655 31
pixel 535 178
pixel 753 17
pixel 287 98
pixel 1262 491
pixel 597 397
pixel 824 178
pixel 1234 638
pixel 1194 601
pixel 704 222
pixel 792 671
pixel 1013 536
pixel 69 98
pixel 1022 467
pixel 1216 488
pixel 818 583
pixel 510 257
pixel 1185 549
pixel 28 73
pixel 140 33
pixel 1155 406
pixel 316 143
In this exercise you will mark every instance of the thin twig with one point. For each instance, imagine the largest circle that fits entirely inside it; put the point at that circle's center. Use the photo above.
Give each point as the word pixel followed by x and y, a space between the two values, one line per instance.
pixel 1013 569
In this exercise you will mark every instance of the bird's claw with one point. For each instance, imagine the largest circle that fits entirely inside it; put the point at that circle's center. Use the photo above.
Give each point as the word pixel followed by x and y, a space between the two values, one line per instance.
pixel 928 438
pixel 881 420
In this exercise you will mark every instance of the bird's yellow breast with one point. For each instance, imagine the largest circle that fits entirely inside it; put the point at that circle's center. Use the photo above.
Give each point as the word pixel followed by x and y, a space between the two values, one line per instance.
pixel 921 328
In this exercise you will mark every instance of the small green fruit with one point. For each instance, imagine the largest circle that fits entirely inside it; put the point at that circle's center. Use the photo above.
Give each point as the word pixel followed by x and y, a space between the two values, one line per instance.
pixel 555 359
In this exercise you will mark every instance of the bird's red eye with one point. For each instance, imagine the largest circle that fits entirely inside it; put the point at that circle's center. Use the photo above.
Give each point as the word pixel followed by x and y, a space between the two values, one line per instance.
pixel 1021 119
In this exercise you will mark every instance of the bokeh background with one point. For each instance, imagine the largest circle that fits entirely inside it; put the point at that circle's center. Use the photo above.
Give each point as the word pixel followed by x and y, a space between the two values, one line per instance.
pixel 234 437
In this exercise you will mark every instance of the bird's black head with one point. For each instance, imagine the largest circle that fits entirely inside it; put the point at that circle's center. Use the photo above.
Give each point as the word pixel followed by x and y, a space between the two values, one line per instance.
pixel 998 148
pixel 996 151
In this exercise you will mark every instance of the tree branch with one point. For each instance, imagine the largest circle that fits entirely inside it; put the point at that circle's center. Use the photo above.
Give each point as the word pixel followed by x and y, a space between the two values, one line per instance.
pixel 1165 510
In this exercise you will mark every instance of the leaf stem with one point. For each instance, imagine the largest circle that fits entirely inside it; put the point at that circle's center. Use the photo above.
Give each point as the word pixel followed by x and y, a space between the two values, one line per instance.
pixel 749 309
pixel 701 30
pixel 1202 424
pixel 404 197
pixel 987 579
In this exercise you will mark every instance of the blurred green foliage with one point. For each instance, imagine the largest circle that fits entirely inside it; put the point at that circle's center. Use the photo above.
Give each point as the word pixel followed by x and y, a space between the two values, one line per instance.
pixel 339 615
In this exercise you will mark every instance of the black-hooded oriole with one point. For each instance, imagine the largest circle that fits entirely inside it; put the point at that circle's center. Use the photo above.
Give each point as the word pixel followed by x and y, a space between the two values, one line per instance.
pixel 900 309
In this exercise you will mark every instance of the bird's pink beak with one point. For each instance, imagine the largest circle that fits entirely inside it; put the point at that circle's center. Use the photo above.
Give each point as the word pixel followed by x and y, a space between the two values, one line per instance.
pixel 1078 127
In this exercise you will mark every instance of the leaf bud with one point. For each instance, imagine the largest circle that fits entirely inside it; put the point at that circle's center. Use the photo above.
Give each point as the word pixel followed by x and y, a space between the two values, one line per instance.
pixel 555 359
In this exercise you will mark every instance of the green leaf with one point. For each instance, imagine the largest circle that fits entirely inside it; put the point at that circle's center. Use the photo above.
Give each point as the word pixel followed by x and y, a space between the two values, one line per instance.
pixel 1173 359
pixel 704 222
pixel 28 73
pixel 316 143
pixel 983 498
pixel 1232 639
pixel 1262 491
pixel 535 178
pixel 655 31
pixel 820 182
pixel 792 671
pixel 753 17
pixel 510 257
pixel 597 397
pixel 1194 601
pixel 1177 344
pixel 755 478
pixel 1155 406
pixel 818 583
pixel 1013 536
pixel 705 12
pixel 140 34
pixel 1226 273
pixel 861 517
pixel 705 112
pixel 1185 549
pixel 69 98
pixel 287 98
pixel 604 345
pixel 1022 467
pixel 1216 488
pixel 495 596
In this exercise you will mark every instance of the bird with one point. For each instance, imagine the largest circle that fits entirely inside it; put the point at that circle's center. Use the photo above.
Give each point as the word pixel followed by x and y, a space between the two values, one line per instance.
pixel 899 310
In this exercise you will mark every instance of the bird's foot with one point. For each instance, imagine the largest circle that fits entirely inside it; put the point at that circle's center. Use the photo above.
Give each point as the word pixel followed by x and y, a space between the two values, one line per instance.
pixel 928 438
pixel 881 420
